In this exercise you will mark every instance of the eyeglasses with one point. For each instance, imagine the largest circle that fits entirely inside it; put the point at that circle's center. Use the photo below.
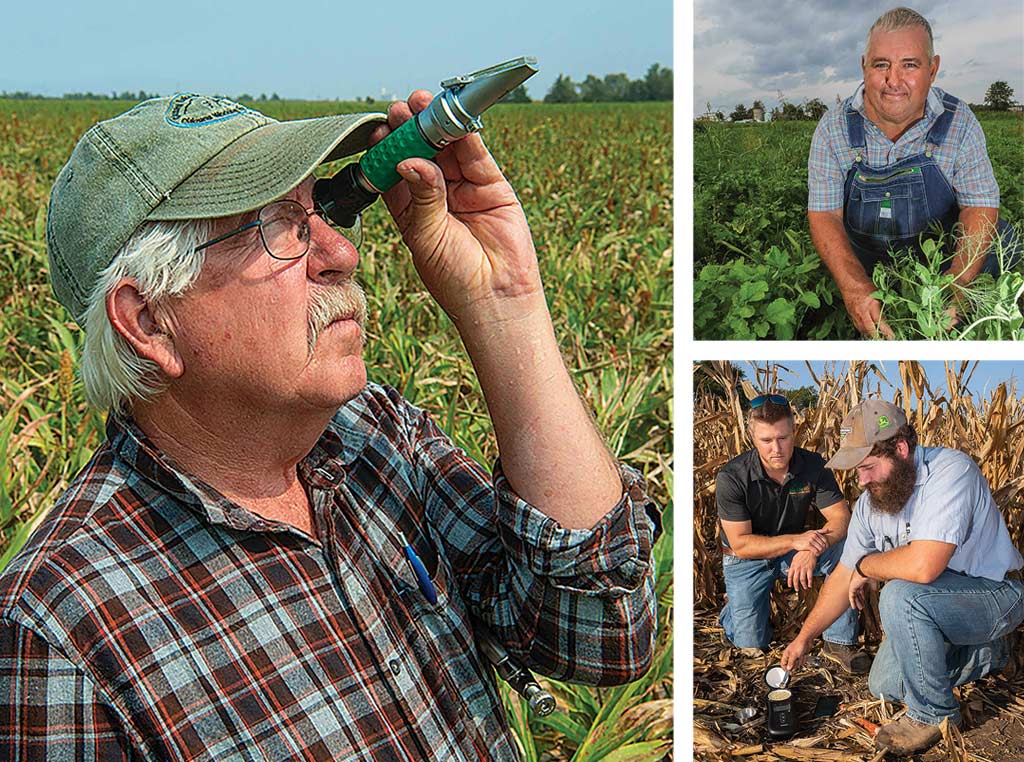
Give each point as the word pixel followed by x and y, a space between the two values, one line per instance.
pixel 775 399
pixel 284 229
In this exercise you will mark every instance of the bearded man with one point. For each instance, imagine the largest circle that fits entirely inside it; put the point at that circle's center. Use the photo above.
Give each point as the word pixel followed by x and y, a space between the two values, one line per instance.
pixel 927 526
pixel 269 557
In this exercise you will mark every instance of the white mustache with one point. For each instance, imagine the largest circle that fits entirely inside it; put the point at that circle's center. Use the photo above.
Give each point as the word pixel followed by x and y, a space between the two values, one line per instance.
pixel 342 302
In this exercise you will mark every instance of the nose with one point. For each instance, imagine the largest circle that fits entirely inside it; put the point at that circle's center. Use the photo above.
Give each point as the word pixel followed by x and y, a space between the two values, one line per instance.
pixel 332 258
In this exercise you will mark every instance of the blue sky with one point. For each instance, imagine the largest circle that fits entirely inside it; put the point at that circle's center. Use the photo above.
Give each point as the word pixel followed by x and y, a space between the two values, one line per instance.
pixel 986 376
pixel 318 49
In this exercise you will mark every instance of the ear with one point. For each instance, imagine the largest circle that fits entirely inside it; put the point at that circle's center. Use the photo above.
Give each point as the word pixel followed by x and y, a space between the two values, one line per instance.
pixel 903 449
pixel 935 69
pixel 134 319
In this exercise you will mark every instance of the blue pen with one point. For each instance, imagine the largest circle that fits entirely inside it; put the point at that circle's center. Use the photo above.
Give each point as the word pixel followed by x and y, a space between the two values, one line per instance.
pixel 426 586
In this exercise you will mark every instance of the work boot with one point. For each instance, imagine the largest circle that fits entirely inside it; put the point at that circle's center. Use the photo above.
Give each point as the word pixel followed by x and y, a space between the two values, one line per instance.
pixel 854 661
pixel 907 736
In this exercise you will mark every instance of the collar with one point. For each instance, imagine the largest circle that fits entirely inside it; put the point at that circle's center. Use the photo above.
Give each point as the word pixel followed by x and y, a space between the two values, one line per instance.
pixel 342 442
pixel 932 105
pixel 796 463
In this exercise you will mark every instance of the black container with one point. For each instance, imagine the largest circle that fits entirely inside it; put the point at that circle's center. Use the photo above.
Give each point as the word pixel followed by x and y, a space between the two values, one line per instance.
pixel 781 717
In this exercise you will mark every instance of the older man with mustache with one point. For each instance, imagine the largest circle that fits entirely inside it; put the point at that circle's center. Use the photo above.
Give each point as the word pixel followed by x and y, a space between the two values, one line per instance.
pixel 271 557
pixel 896 160
pixel 927 526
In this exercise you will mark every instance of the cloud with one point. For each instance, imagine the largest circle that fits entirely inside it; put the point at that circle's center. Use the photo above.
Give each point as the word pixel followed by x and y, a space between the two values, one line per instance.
pixel 751 49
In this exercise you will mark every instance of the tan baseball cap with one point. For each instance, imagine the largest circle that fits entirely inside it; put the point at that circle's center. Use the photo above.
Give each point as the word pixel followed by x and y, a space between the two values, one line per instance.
pixel 186 156
pixel 869 422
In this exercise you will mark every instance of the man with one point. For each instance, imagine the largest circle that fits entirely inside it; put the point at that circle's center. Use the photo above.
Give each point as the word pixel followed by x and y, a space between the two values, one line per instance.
pixel 896 159
pixel 270 558
pixel 926 525
pixel 763 497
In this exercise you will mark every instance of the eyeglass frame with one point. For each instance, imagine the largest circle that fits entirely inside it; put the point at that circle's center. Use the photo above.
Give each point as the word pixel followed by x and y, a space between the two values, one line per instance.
pixel 775 399
pixel 308 212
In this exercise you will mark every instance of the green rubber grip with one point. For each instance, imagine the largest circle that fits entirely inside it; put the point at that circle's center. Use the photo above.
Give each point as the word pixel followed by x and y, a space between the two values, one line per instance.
pixel 378 164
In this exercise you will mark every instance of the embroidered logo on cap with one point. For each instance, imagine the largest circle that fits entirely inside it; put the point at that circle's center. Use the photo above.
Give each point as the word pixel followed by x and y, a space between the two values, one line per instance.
pixel 843 433
pixel 190 110
pixel 883 422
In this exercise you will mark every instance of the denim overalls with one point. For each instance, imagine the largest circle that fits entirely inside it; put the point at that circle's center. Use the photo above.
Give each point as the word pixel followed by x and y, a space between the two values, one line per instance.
pixel 889 208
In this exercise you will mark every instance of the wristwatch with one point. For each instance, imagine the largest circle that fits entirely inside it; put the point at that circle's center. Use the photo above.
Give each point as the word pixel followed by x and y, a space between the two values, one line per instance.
pixel 857 565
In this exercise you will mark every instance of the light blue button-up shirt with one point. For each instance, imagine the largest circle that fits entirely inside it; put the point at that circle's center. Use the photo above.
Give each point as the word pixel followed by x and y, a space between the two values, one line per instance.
pixel 951 502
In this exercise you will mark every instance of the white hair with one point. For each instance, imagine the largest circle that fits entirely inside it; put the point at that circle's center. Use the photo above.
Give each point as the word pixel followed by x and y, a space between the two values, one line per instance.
pixel 161 258
pixel 900 18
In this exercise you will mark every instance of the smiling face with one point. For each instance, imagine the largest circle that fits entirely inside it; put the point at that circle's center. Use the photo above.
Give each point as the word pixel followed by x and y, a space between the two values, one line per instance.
pixel 897 75
pixel 774 443
pixel 259 334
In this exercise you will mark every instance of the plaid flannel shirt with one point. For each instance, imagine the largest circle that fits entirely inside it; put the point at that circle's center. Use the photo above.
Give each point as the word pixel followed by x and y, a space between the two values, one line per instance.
pixel 962 157
pixel 149 617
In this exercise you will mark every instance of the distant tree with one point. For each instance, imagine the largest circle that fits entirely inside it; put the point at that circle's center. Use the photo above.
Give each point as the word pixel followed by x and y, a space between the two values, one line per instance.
pixel 815 109
pixel 369 99
pixel 637 90
pixel 999 96
pixel 275 97
pixel 593 90
pixel 616 87
pixel 720 116
pixel 518 95
pixel 659 83
pixel 740 113
pixel 563 91
pixel 802 397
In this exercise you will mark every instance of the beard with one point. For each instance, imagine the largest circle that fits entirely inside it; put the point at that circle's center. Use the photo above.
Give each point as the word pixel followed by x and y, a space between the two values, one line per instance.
pixel 344 301
pixel 891 495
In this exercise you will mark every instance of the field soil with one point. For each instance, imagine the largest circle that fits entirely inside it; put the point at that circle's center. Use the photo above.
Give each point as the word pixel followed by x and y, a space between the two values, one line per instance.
pixel 727 680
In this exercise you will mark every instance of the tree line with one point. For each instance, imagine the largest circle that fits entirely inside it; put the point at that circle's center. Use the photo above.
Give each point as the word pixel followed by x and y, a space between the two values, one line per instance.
pixel 998 97
pixel 656 85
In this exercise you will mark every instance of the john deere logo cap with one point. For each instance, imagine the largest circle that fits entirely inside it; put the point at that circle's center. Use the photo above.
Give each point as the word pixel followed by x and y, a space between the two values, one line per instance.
pixel 869 422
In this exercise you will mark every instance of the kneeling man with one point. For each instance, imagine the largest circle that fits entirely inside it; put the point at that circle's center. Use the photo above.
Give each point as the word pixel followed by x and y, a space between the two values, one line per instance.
pixel 926 525
pixel 762 497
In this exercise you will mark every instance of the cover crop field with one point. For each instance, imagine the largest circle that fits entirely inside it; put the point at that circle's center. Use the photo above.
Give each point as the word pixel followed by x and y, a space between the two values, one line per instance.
pixel 596 183
pixel 757 275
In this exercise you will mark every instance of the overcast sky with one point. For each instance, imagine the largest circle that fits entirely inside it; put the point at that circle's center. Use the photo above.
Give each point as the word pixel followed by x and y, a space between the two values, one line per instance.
pixel 746 50
pixel 318 48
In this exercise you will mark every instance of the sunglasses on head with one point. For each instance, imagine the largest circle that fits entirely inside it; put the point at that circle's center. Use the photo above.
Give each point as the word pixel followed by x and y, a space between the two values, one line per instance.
pixel 775 399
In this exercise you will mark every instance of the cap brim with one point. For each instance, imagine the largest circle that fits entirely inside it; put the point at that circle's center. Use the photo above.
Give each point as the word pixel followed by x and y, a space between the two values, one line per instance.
pixel 264 164
pixel 848 457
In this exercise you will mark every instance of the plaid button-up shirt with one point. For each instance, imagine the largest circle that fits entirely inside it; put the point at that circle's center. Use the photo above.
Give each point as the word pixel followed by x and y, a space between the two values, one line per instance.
pixel 962 157
pixel 149 617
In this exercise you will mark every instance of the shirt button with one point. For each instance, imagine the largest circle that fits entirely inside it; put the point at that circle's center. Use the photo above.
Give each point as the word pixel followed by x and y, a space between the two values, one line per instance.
pixel 396 667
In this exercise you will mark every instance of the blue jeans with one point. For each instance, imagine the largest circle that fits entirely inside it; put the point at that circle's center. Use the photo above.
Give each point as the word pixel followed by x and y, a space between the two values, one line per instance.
pixel 941 635
pixel 748 584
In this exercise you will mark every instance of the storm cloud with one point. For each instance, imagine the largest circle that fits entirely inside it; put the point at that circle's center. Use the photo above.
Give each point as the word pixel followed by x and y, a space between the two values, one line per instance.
pixel 746 50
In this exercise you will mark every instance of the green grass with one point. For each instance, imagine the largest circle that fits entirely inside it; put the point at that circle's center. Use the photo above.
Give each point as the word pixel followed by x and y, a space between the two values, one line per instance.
pixel 596 183
pixel 750 227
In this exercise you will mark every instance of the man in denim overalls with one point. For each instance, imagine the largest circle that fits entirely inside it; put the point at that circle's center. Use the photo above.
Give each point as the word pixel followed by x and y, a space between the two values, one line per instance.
pixel 897 159
pixel 926 524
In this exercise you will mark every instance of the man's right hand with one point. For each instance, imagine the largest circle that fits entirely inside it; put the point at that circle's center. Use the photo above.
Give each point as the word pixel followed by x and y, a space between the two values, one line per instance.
pixel 813 540
pixel 795 654
pixel 866 311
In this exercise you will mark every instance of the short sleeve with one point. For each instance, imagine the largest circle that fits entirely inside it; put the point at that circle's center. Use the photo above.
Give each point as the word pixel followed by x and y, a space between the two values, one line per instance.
pixel 827 490
pixel 729 498
pixel 825 176
pixel 974 182
pixel 860 540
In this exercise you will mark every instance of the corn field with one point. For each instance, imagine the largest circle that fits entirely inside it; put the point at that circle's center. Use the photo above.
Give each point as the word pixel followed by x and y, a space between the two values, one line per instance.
pixel 991 430
pixel 596 184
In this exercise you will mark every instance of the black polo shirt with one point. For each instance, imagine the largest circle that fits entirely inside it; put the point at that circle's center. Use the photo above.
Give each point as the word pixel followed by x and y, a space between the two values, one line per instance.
pixel 744 492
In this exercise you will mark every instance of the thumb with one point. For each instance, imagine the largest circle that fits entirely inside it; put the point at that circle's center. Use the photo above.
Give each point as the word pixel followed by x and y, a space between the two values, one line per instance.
pixel 426 185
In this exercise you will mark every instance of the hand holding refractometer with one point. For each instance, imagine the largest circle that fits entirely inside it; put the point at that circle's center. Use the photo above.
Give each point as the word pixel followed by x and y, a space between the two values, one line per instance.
pixel 453 114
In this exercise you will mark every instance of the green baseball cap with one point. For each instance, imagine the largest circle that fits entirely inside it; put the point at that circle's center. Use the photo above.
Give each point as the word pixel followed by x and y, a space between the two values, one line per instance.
pixel 183 157
pixel 869 422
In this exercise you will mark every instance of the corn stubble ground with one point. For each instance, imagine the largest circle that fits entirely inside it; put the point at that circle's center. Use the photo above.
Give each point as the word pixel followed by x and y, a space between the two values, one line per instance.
pixel 725 679
pixel 596 184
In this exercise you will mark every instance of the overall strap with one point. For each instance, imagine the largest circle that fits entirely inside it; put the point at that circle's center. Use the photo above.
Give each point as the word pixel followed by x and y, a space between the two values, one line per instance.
pixel 855 128
pixel 938 131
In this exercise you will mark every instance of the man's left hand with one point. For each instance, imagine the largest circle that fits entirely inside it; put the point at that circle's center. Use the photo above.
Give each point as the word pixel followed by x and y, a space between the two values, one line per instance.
pixel 858 587
pixel 801 570
pixel 463 224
